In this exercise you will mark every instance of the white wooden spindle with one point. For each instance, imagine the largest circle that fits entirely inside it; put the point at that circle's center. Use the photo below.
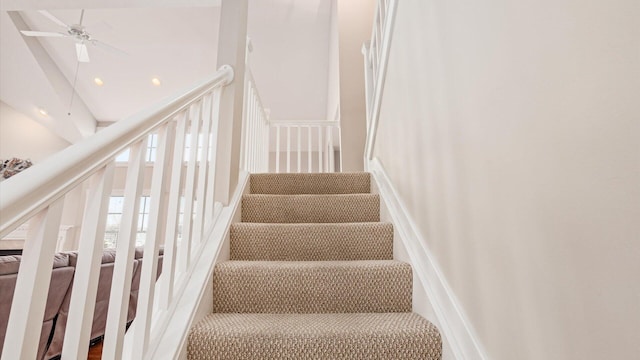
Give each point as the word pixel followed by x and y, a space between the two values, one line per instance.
pixel 340 146
pixel 123 266
pixel 309 168
pixel 299 150
pixel 152 243
pixel 202 170
pixel 244 156
pixel 173 212
pixel 252 131
pixel 215 121
pixel 327 149
pixel 85 280
pixel 288 149
pixel 256 120
pixel 320 145
pixel 189 191
pixel 32 284
pixel 277 149
pixel 331 155
pixel 265 144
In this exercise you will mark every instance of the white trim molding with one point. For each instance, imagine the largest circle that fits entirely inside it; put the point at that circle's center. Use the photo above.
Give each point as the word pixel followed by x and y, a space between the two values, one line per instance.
pixel 456 330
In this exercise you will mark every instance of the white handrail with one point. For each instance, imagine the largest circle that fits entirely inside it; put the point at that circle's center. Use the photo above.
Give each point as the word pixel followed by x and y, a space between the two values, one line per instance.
pixel 38 195
pixel 376 57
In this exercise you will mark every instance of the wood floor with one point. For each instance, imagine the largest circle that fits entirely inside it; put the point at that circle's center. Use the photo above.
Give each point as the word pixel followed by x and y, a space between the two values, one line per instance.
pixel 95 352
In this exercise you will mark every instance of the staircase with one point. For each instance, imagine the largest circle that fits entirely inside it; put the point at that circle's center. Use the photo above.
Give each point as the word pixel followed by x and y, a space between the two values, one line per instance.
pixel 312 276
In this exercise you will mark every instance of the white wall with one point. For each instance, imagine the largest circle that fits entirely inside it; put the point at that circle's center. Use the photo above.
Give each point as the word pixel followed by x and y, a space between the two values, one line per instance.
pixel 290 58
pixel 333 82
pixel 24 138
pixel 511 131
pixel 355 18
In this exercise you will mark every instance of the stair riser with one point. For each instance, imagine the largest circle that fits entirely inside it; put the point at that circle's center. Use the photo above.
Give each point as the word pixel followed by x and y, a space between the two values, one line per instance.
pixel 310 208
pixel 311 242
pixel 321 287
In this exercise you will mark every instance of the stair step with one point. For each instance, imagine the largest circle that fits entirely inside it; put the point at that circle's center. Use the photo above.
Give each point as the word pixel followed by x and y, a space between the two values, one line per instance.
pixel 315 183
pixel 311 242
pixel 312 286
pixel 260 208
pixel 314 336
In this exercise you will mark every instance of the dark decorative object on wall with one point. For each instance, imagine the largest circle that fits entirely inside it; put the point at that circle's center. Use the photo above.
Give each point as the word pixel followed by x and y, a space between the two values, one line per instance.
pixel 10 167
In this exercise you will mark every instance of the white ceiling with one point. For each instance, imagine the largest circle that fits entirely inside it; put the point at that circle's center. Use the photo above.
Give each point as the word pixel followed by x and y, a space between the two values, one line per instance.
pixel 176 44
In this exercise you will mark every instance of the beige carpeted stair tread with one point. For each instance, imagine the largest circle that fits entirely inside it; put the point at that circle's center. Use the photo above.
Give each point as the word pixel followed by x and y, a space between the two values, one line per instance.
pixel 312 286
pixel 310 208
pixel 314 336
pixel 323 183
pixel 311 242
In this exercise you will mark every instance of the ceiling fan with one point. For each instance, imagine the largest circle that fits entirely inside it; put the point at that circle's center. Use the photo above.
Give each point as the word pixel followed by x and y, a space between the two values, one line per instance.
pixel 76 32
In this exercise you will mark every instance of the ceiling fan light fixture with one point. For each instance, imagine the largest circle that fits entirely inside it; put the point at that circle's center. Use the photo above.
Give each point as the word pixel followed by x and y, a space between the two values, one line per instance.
pixel 155 81
pixel 98 81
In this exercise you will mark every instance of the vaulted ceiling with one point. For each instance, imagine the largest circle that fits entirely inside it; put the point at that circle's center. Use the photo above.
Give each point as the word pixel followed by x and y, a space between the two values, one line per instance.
pixel 175 41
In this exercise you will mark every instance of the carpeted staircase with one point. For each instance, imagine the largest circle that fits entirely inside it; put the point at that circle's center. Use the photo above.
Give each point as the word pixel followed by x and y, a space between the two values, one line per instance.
pixel 312 276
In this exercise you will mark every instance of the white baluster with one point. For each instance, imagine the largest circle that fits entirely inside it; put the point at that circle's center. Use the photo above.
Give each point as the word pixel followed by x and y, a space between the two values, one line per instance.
pixel 123 266
pixel 202 170
pixel 299 150
pixel 173 211
pixel 32 285
pixel 157 217
pixel 320 145
pixel 85 280
pixel 288 149
pixel 209 212
pixel 189 192
pixel 277 148
pixel 309 168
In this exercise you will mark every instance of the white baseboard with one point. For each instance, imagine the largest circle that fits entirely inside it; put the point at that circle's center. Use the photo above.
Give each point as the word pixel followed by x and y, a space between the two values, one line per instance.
pixel 460 340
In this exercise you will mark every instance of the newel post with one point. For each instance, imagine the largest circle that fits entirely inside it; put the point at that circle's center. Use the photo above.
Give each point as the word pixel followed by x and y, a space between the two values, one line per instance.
pixel 232 41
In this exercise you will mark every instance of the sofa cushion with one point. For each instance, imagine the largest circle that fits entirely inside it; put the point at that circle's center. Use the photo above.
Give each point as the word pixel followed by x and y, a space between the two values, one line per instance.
pixel 108 256
pixel 9 264
pixel 60 260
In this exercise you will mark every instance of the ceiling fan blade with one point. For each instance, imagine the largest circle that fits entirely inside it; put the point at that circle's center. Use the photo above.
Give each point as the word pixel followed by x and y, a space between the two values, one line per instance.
pixel 108 47
pixel 82 52
pixel 42 33
pixel 49 16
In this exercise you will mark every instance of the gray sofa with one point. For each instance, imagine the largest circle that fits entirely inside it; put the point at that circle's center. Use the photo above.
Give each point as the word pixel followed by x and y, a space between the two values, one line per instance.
pixel 57 309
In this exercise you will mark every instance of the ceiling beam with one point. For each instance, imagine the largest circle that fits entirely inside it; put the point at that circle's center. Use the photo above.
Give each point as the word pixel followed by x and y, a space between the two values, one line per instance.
pixel 22 5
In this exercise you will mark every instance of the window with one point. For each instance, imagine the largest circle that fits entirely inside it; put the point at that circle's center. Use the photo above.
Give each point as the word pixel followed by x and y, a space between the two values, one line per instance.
pixel 114 218
pixel 152 147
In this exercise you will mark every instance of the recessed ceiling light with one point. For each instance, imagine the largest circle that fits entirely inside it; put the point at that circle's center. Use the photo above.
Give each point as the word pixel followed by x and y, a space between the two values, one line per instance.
pixel 43 112
pixel 155 81
pixel 98 81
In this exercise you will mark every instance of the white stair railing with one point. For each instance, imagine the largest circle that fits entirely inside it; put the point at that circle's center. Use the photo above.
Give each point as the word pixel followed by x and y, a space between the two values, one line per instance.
pixel 255 137
pixel 306 146
pixel 37 196
pixel 376 56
